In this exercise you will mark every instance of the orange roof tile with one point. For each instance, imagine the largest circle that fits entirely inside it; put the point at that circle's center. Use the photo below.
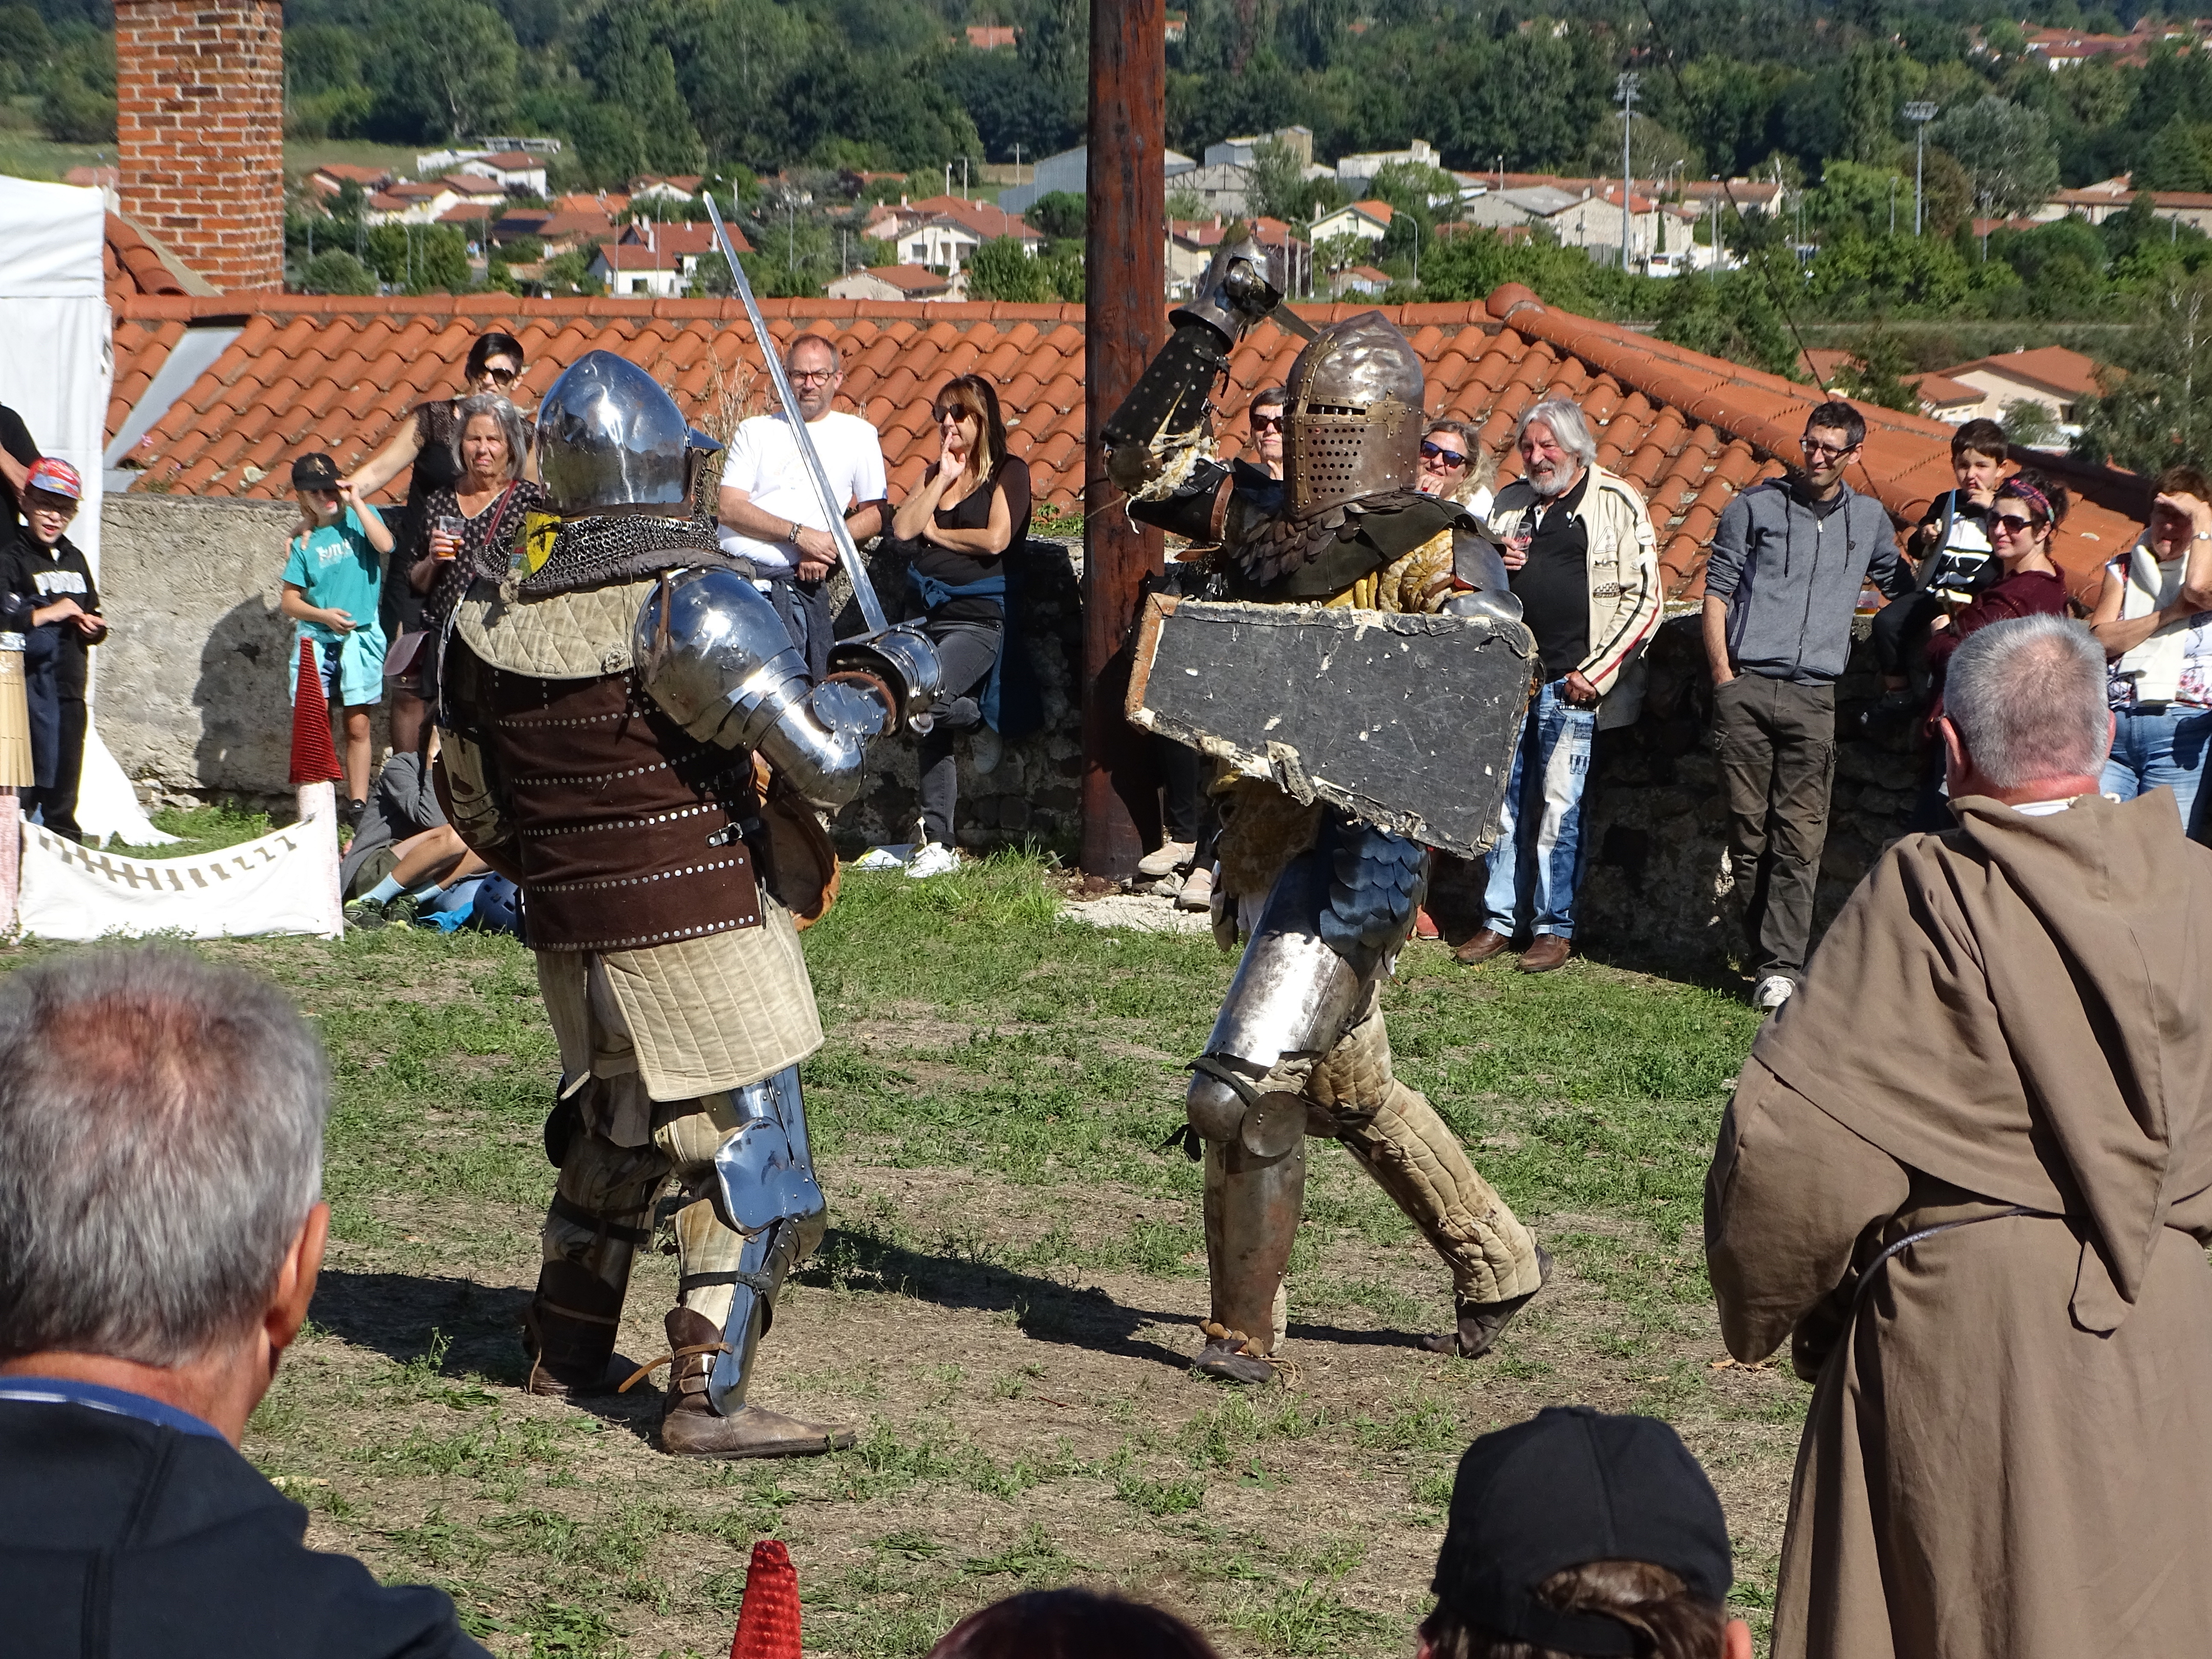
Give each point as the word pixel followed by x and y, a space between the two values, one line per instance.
pixel 2053 367
pixel 336 373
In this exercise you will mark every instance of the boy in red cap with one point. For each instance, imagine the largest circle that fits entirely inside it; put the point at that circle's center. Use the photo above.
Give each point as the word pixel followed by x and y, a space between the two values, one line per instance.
pixel 47 596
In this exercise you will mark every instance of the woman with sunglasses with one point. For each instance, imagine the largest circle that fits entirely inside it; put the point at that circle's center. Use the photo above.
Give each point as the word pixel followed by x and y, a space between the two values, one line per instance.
pixel 429 443
pixel 972 505
pixel 1455 467
pixel 2159 641
pixel 2022 524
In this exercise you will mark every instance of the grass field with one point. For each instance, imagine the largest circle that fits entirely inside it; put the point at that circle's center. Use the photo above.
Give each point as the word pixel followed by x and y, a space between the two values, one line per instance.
pixel 1007 1297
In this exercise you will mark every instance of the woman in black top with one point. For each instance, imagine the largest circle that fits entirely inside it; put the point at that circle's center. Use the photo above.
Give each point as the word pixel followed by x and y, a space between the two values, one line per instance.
pixel 431 444
pixel 972 505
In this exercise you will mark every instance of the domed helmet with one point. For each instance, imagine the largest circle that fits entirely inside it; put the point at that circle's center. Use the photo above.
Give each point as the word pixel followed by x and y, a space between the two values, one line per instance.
pixel 609 440
pixel 1354 424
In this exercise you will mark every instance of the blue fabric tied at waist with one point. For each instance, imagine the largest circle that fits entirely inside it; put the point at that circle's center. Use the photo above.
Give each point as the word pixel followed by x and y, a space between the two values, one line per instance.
pixel 934 594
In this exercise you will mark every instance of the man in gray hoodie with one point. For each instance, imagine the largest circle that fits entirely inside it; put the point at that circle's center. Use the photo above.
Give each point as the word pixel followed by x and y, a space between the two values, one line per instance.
pixel 1781 584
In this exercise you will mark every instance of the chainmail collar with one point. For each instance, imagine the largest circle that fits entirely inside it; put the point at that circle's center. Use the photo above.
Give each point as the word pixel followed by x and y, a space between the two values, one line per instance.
pixel 616 547
pixel 1278 547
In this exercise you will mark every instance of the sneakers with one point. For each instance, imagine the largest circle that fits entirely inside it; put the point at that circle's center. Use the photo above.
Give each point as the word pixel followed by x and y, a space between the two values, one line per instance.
pixel 1166 858
pixel 986 750
pixel 1197 890
pixel 932 860
pixel 368 913
pixel 1773 992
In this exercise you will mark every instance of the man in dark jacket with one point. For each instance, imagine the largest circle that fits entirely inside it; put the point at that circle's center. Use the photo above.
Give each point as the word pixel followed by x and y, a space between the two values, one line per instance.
pixel 161 1228
pixel 1783 582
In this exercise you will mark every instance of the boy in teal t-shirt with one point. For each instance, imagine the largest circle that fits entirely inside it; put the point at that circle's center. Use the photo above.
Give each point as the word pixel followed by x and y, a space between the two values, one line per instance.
pixel 332 582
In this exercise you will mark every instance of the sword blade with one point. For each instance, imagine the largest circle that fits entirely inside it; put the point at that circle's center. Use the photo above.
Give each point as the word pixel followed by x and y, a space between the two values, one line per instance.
pixel 863 590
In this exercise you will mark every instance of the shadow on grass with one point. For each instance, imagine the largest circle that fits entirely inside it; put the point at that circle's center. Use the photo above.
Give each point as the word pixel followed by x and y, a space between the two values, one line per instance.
pixel 1043 1309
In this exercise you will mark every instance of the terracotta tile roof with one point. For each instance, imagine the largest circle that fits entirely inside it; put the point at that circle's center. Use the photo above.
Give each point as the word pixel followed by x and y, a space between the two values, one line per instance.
pixel 686 237
pixel 468 213
pixel 985 219
pixel 132 266
pixel 2067 372
pixel 335 373
pixel 1380 212
pixel 512 160
pixel 1942 392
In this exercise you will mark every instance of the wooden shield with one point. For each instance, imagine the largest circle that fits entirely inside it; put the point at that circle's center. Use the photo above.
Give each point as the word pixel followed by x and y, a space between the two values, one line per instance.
pixel 1405 722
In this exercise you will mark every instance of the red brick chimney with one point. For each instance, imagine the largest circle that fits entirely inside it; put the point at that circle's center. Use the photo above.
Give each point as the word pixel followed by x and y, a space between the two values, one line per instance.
pixel 199 121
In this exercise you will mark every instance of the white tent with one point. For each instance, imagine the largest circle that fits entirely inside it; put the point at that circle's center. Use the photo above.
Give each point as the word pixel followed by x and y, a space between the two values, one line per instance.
pixel 57 363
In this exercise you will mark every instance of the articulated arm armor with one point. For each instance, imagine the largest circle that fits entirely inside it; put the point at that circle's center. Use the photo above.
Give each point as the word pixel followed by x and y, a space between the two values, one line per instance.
pixel 712 652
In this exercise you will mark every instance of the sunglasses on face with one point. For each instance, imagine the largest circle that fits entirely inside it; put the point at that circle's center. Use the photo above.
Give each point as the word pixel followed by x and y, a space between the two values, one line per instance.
pixel 2011 524
pixel 1437 452
pixel 500 376
pixel 1266 424
pixel 941 415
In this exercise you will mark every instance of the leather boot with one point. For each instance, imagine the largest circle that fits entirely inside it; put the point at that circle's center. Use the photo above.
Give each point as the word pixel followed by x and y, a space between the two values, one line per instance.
pixel 690 1426
pixel 1481 1323
pixel 569 1333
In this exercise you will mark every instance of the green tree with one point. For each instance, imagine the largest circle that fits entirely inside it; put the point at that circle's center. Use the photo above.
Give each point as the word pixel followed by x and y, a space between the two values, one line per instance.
pixel 1874 372
pixel 2175 159
pixel 2155 410
pixel 569 272
pixel 1731 315
pixel 1060 214
pixel 636 73
pixel 336 271
pixel 442 69
pixel 2027 421
pixel 999 269
pixel 1873 89
pixel 2005 150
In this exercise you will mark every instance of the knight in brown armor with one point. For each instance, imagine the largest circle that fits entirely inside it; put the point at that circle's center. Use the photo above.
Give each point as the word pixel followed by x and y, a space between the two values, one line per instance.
pixel 627 733
pixel 1324 900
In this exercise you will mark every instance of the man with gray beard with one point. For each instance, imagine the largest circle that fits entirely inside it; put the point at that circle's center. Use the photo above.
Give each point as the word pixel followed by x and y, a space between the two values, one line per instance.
pixel 1580 555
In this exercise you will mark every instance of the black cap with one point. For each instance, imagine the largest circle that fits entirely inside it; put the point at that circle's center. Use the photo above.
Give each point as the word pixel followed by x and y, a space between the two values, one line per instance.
pixel 315 470
pixel 1571 1485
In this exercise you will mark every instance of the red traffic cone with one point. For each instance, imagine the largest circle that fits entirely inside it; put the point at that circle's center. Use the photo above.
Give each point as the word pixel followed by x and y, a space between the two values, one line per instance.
pixel 767 1621
pixel 314 757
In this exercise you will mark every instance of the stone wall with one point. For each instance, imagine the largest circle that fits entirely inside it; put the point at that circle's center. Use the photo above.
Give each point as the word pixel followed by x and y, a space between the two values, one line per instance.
pixel 191 695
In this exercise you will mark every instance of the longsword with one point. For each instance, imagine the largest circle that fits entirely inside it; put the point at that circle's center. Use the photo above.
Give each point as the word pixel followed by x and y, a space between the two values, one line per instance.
pixel 863 590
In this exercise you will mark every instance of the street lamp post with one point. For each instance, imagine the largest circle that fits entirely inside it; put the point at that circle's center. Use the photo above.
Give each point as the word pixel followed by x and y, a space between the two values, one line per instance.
pixel 1920 112
pixel 1625 90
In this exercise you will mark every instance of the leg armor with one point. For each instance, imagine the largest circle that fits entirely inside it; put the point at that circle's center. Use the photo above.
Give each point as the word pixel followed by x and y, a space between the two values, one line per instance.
pixel 600 1215
pixel 1330 926
pixel 756 1211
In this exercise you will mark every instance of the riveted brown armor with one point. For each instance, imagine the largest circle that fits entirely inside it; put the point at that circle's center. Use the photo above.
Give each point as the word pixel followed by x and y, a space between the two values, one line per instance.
pixel 616 806
pixel 1354 425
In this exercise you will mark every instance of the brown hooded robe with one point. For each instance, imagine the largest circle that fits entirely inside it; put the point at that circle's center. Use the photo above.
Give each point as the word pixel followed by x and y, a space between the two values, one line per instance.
pixel 2008 1453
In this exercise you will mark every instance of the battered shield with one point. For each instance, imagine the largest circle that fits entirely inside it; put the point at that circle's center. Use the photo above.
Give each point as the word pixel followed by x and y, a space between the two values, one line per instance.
pixel 1407 722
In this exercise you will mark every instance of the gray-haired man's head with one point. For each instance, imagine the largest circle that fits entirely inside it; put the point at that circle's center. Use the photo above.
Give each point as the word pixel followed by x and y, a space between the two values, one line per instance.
pixel 161 1146
pixel 2027 698
pixel 1556 447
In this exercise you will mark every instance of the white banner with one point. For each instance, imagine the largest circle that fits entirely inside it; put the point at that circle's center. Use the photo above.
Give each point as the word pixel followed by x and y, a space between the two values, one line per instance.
pixel 284 883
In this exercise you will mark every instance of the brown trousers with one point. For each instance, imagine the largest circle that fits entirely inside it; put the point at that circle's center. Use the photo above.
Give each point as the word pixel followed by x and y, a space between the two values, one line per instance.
pixel 1778 755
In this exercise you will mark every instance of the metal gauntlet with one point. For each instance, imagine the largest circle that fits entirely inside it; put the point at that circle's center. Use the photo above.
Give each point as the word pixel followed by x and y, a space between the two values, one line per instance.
pixel 714 654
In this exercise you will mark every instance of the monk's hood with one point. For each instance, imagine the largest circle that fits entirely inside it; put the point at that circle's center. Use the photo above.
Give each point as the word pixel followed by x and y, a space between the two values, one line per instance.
pixel 2018 1007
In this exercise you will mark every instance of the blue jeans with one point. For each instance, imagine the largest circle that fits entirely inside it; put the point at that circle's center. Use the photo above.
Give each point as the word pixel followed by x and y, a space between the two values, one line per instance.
pixel 2160 749
pixel 1538 857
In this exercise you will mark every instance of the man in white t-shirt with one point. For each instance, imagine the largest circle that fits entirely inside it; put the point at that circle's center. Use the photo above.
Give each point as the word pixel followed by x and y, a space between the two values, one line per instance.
pixel 771 512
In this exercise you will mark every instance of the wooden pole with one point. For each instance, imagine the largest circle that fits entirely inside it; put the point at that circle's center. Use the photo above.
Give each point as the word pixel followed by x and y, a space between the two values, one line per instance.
pixel 1125 289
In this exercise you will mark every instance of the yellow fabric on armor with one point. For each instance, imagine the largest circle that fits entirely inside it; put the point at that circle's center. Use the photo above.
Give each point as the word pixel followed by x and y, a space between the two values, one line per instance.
pixel 569 636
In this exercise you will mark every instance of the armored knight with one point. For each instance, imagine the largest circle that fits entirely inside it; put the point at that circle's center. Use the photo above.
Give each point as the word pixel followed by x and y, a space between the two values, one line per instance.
pixel 1324 900
pixel 628 732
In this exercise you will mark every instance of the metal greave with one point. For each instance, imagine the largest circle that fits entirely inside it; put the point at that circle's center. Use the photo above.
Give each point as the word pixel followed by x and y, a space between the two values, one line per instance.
pixel 1252 1205
pixel 769 1252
